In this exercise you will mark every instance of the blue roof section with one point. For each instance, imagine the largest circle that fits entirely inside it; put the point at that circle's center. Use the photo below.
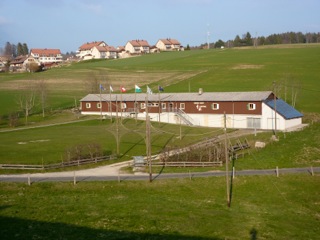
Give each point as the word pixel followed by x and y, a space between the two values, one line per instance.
pixel 284 109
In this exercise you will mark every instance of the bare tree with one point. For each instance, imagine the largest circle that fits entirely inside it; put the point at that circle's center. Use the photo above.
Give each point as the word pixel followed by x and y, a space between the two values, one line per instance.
pixel 26 100
pixel 43 95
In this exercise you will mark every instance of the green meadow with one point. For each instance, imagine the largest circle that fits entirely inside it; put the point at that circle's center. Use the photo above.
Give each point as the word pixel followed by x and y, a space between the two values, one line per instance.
pixel 262 207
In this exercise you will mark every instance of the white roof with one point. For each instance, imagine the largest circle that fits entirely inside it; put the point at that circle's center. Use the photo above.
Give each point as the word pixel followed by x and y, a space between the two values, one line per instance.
pixel 185 97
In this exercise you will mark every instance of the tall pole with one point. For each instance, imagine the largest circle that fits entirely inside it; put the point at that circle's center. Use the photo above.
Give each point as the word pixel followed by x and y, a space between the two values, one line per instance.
pixel 110 105
pixel 100 86
pixel 148 140
pixel 117 127
pixel 275 108
pixel 227 158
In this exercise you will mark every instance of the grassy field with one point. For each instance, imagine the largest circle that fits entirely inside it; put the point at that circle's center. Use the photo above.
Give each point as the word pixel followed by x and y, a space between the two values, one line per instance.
pixel 293 68
pixel 261 208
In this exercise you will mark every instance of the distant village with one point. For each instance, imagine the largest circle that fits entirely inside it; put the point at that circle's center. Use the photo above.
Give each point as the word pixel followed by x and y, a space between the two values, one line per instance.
pixel 41 59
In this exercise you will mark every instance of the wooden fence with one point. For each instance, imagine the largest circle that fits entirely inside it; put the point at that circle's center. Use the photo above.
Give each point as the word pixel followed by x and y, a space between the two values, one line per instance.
pixel 58 165
pixel 186 164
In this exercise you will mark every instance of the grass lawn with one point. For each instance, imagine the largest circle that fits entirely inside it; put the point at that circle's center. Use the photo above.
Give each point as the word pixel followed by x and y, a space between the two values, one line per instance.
pixel 262 207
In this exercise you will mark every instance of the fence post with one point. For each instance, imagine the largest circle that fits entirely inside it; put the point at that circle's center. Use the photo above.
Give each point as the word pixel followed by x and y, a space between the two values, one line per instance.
pixel 277 171
pixel 74 178
pixel 312 173
pixel 233 171
pixel 29 180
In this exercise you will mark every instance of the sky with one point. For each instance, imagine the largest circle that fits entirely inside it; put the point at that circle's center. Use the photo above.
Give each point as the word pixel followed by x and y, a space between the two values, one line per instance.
pixel 67 24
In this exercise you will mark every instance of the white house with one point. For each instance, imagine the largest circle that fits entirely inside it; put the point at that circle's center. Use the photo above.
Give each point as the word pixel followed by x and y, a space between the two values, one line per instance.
pixel 85 49
pixel 253 110
pixel 46 56
pixel 104 52
pixel 137 47
pixel 169 45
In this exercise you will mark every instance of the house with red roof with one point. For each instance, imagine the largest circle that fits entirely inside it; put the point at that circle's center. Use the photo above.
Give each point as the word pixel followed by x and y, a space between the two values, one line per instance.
pixel 46 56
pixel 169 44
pixel 96 50
pixel 104 52
pixel 137 47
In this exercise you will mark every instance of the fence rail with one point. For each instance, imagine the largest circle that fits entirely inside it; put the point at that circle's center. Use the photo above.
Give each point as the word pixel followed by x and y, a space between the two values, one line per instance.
pixel 58 165
pixel 186 164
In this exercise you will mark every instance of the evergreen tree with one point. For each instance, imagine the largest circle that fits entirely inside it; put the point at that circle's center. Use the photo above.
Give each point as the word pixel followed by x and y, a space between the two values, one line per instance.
pixel 25 49
pixel 20 49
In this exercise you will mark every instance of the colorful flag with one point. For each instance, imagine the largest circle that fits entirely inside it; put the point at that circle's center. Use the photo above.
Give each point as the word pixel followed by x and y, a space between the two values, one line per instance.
pixel 122 89
pixel 137 89
pixel 111 89
pixel 160 89
pixel 149 91
pixel 101 87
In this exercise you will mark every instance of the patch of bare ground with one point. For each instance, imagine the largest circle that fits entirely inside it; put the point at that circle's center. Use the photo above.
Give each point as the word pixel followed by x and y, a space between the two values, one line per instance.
pixel 116 79
pixel 247 66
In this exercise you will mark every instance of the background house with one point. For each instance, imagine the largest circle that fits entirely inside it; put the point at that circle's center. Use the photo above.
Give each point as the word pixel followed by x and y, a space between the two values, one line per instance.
pixel 86 49
pixel 137 47
pixel 169 45
pixel 46 56
pixel 96 50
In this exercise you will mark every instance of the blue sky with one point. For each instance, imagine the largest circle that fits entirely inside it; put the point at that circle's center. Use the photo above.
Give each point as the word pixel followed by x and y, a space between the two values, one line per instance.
pixel 67 24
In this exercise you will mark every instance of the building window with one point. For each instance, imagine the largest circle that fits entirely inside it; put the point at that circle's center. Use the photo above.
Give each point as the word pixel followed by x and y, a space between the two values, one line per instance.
pixel 88 105
pixel 182 106
pixel 251 106
pixel 99 105
pixel 123 105
pixel 215 106
pixel 163 105
pixel 143 106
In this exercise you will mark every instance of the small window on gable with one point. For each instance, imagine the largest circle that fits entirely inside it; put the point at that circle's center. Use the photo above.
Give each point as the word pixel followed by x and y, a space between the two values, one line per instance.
pixel 88 105
pixel 182 105
pixel 251 106
pixel 215 106
pixel 99 105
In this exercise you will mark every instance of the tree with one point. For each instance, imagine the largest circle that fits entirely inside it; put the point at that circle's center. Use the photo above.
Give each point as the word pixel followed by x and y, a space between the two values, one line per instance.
pixel 19 49
pixel 8 50
pixel 26 100
pixel 237 41
pixel 25 49
pixel 42 90
pixel 248 39
pixel 219 44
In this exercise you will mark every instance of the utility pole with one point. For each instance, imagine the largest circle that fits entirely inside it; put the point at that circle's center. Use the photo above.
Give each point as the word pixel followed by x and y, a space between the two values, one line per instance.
pixel 148 140
pixel 275 108
pixel 227 158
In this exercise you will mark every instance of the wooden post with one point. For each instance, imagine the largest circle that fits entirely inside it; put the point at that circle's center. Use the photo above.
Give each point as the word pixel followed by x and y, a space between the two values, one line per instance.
pixel 233 172
pixel 29 180
pixel 277 171
pixel 312 173
pixel 74 178
pixel 226 158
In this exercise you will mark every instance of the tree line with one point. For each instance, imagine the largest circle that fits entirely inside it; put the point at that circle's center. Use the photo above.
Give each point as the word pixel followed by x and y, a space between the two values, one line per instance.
pixel 281 38
pixel 15 50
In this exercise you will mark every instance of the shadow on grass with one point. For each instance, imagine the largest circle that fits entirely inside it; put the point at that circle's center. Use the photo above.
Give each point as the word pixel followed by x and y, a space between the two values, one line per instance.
pixel 17 228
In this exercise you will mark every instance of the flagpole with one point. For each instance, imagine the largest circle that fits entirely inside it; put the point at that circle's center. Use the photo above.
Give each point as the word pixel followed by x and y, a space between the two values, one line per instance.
pixel 159 104
pixel 100 86
pixel 110 104
pixel 135 103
